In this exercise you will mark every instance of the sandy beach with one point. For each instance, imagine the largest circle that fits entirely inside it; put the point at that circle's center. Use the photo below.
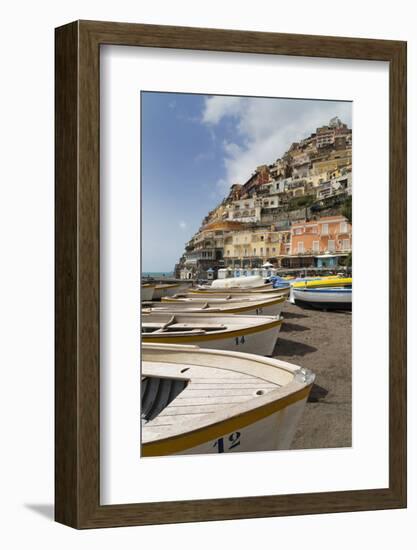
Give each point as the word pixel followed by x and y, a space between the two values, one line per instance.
pixel 321 341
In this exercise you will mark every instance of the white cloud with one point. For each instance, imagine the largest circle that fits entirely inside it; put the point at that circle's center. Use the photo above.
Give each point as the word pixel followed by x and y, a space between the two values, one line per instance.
pixel 265 128
pixel 216 107
pixel 182 224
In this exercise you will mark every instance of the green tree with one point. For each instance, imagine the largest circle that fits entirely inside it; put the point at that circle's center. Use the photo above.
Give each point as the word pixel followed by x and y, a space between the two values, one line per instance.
pixel 347 261
pixel 347 209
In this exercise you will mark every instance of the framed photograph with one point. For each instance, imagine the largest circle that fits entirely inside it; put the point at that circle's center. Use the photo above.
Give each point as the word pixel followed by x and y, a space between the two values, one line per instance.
pixel 217 192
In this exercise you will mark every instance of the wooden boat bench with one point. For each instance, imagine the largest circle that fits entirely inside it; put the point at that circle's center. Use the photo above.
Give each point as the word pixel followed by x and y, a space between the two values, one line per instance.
pixel 165 331
pixel 199 326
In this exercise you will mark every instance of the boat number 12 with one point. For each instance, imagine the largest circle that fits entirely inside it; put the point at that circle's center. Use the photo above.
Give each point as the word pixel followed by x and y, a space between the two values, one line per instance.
pixel 223 445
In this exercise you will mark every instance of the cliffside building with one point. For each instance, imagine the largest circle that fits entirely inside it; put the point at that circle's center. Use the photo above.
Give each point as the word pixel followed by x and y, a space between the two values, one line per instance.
pixel 287 213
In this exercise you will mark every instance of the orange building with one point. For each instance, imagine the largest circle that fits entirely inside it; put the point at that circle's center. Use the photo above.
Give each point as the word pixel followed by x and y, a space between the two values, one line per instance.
pixel 323 240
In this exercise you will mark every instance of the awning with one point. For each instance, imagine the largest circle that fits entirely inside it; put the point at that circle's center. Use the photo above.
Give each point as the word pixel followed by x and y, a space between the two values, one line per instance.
pixel 331 255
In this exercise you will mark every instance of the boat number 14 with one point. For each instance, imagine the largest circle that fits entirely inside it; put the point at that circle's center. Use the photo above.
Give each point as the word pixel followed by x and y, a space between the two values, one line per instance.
pixel 227 444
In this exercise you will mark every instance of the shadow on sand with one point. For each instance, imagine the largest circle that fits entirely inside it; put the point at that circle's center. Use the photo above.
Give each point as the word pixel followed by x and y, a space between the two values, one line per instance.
pixel 317 393
pixel 291 315
pixel 291 327
pixel 289 348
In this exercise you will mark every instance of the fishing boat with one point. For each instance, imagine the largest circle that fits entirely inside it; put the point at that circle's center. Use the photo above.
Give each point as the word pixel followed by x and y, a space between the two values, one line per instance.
pixel 245 305
pixel 220 297
pixel 324 298
pixel 252 281
pixel 147 291
pixel 247 333
pixel 185 286
pixel 279 282
pixel 196 401
pixel 265 290
pixel 321 282
pixel 166 289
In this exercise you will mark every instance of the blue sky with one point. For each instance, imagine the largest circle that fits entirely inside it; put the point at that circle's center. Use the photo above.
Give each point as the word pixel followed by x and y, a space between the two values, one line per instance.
pixel 194 147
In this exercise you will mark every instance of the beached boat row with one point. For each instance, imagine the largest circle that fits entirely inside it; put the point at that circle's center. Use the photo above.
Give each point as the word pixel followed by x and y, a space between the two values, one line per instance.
pixel 248 305
pixel 156 291
pixel 261 287
pixel 207 385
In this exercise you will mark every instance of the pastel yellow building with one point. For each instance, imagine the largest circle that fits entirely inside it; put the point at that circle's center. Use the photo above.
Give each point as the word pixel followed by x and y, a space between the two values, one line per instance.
pixel 255 246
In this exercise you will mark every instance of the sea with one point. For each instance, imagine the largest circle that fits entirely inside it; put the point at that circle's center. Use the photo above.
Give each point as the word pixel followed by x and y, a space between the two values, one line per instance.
pixel 157 274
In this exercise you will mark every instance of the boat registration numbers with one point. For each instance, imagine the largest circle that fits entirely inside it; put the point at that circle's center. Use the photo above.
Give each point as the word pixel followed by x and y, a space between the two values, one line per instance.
pixel 226 444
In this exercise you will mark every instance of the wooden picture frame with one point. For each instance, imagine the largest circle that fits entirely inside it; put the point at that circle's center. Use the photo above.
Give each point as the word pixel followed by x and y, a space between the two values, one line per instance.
pixel 77 406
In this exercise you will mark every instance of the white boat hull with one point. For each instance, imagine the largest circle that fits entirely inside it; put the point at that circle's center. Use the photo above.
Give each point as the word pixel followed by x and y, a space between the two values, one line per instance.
pixel 273 309
pixel 259 343
pixel 188 307
pixel 199 401
pixel 166 291
pixel 262 292
pixel 146 293
pixel 323 298
pixel 239 282
pixel 273 433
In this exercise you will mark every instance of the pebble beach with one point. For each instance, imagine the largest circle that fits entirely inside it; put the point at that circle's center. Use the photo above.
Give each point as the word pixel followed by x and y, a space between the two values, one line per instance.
pixel 322 342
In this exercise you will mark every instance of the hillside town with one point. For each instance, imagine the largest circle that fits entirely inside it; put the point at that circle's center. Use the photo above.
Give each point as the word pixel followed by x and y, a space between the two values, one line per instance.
pixel 292 214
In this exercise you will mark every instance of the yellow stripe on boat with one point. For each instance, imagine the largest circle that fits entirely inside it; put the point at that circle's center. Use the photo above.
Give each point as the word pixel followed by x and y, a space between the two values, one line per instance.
pixel 322 283
pixel 232 309
pixel 147 339
pixel 168 285
pixel 235 292
pixel 252 306
pixel 182 442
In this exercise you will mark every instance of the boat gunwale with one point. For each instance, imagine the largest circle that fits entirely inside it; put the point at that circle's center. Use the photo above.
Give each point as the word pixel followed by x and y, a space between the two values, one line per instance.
pixel 232 417
pixel 234 291
pixel 230 307
pixel 226 333
pixel 324 290
pixel 164 286
pixel 229 300
pixel 316 283
pixel 219 427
